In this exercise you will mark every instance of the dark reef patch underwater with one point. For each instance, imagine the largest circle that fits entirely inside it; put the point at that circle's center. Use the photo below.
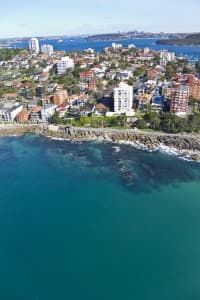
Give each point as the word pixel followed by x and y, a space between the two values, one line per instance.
pixel 137 170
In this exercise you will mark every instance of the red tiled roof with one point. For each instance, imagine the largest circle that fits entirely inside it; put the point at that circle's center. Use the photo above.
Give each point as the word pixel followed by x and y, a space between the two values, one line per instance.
pixel 37 109
pixel 11 95
pixel 100 106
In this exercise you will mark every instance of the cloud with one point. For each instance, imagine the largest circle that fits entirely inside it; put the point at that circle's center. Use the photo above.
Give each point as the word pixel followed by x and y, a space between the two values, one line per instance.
pixel 24 26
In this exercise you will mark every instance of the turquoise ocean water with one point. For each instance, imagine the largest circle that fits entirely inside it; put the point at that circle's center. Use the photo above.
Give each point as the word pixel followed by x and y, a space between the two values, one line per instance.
pixel 82 221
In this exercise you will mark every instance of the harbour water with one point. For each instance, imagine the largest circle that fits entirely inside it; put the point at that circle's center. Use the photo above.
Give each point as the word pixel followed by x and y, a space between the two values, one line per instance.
pixel 192 53
pixel 96 221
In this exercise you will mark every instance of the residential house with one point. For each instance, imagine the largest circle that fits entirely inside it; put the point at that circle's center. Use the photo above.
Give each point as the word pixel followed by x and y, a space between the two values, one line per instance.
pixel 9 114
pixel 23 116
pixel 47 112
pixel 35 115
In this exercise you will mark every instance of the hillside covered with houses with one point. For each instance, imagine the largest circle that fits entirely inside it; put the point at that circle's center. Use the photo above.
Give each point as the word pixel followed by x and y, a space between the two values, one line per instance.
pixel 119 87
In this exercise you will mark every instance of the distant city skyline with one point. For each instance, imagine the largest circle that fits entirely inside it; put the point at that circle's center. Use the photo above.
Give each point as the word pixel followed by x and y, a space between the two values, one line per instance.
pixel 48 18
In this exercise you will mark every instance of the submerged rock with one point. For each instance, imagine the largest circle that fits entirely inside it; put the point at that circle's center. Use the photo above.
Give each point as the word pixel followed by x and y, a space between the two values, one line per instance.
pixel 195 157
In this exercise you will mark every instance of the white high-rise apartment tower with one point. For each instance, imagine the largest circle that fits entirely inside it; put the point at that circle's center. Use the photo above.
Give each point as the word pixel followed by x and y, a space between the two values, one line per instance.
pixel 123 98
pixel 34 46
pixel 47 49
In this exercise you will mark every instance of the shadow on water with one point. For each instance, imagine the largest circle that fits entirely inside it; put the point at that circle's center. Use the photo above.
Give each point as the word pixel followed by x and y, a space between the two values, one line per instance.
pixel 138 171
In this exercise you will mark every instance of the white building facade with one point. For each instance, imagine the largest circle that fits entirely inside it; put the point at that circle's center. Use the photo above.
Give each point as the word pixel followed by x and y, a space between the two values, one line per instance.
pixel 117 46
pixel 47 49
pixel 64 64
pixel 34 46
pixel 9 115
pixel 123 98
pixel 166 56
pixel 47 112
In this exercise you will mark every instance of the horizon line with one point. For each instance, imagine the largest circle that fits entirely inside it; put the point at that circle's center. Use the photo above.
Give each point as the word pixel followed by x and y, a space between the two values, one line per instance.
pixel 94 34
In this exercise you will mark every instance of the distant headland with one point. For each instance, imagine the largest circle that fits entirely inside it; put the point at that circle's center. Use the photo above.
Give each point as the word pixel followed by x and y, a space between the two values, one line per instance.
pixel 189 40
pixel 134 35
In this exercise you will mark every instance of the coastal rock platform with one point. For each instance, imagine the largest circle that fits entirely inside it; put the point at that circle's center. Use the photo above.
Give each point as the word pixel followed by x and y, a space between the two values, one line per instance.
pixel 183 145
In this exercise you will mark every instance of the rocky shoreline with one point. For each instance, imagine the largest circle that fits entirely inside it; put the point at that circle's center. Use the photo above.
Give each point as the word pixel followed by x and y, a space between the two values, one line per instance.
pixel 186 146
pixel 182 145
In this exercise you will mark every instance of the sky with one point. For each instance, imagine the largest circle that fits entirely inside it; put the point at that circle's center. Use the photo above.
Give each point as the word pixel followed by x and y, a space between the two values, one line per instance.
pixel 61 17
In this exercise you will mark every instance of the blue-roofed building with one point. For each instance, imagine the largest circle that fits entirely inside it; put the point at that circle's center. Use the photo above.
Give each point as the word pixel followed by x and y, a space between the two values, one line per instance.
pixel 157 102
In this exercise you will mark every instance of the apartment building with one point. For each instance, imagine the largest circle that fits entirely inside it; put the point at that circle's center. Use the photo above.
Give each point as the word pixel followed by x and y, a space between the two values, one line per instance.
pixel 47 112
pixel 123 98
pixel 60 97
pixel 166 56
pixel 87 76
pixel 47 49
pixel 179 100
pixel 64 64
pixel 34 46
pixel 35 115
pixel 193 84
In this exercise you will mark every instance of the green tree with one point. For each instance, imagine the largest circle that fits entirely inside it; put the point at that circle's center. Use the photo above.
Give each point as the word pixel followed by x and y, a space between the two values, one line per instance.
pixel 141 124
pixel 9 53
pixel 166 122
pixel 171 70
pixel 140 71
pixel 186 69
pixel 55 119
pixel 197 66
pixel 194 123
